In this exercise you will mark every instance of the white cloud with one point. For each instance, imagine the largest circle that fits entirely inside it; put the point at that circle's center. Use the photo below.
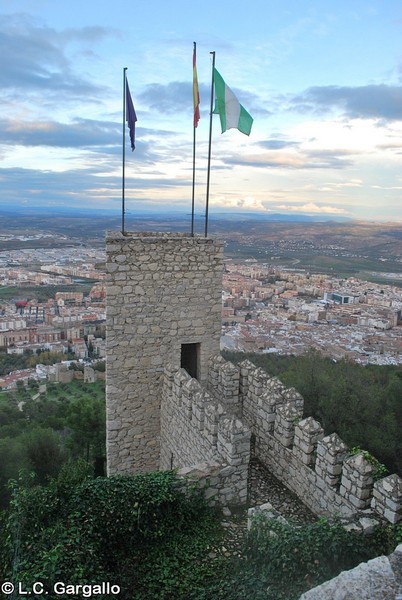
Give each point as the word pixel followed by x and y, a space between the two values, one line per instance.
pixel 311 207
pixel 246 203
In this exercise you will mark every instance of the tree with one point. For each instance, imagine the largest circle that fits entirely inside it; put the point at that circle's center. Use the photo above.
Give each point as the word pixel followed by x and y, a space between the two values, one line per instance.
pixel 43 452
pixel 86 419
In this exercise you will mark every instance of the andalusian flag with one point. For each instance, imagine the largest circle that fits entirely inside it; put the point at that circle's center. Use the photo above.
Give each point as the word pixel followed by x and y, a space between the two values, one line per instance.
pixel 232 114
pixel 196 93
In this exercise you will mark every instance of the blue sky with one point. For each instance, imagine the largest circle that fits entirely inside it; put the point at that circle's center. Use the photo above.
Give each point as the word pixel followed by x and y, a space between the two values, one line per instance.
pixel 322 80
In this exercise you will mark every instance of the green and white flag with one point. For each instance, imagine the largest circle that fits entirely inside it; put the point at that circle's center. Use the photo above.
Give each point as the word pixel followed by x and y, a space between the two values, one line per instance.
pixel 232 114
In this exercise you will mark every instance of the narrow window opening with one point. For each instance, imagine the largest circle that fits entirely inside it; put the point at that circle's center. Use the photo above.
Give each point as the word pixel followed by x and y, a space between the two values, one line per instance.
pixel 190 354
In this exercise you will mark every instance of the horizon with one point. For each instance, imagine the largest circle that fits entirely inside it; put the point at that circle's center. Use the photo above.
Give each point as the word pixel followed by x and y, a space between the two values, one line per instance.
pixel 323 85
pixel 182 215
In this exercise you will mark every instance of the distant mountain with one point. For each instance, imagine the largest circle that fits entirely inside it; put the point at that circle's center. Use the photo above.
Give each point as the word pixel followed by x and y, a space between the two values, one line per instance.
pixel 166 215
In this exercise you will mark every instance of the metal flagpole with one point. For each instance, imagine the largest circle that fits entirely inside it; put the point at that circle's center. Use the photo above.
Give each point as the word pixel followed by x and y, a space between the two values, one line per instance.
pixel 124 153
pixel 194 136
pixel 209 145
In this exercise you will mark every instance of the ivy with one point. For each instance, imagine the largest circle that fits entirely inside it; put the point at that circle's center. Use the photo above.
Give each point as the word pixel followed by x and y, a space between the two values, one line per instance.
pixel 293 559
pixel 142 532
pixel 159 542
pixel 380 470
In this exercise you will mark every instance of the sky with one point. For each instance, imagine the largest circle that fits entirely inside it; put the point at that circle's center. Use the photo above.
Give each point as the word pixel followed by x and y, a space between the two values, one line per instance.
pixel 322 80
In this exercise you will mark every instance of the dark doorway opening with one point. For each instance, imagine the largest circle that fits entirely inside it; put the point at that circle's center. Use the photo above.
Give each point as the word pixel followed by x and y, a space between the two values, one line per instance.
pixel 190 354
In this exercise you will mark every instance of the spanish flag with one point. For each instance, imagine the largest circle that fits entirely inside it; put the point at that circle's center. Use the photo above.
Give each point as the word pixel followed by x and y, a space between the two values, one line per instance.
pixel 196 93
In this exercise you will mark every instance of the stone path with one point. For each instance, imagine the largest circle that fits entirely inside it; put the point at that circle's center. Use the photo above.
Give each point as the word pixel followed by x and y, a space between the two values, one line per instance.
pixel 264 488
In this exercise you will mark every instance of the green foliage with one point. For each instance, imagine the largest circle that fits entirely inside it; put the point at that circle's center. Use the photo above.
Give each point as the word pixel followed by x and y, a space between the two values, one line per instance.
pixel 294 559
pixel 143 533
pixel 100 365
pixel 156 542
pixel 380 470
pixel 13 362
pixel 43 451
pixel 40 434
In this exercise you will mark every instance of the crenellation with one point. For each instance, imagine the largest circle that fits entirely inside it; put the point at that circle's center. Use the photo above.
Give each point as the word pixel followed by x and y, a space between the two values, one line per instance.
pixel 223 382
pixel 173 402
pixel 258 382
pixel 211 420
pixel 287 415
pixel 357 481
pixel 246 367
pixel 189 388
pixel 387 498
pixel 331 452
pixel 289 394
pixel 308 433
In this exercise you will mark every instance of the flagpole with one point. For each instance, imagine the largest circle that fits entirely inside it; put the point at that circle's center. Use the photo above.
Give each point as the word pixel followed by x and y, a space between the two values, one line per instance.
pixel 194 137
pixel 124 154
pixel 209 145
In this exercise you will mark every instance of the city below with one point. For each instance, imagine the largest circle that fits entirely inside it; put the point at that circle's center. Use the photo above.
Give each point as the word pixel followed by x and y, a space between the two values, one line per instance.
pixel 53 296
pixel 269 309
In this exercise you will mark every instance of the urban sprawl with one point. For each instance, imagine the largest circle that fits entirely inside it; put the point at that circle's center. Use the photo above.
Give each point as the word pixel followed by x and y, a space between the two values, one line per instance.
pixel 265 308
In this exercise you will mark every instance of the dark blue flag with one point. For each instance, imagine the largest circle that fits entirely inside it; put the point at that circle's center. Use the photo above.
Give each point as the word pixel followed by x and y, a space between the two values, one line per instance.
pixel 131 117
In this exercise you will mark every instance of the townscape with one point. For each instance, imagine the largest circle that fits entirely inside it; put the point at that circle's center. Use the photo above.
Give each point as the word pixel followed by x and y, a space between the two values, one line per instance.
pixel 201 300
pixel 67 322
pixel 53 299
pixel 265 308
pixel 270 309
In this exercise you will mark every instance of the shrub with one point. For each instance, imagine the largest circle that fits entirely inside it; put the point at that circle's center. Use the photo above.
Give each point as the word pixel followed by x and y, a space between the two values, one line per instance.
pixel 140 531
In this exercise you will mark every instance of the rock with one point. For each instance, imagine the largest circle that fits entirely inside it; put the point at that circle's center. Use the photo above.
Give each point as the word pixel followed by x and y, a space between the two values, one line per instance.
pixel 378 579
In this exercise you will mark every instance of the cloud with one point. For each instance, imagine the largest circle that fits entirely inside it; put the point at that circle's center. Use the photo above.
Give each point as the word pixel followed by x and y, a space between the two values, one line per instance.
pixel 169 98
pixel 366 102
pixel 311 207
pixel 246 203
pixel 277 144
pixel 82 133
pixel 82 186
pixel 176 97
pixel 96 142
pixel 34 58
pixel 295 158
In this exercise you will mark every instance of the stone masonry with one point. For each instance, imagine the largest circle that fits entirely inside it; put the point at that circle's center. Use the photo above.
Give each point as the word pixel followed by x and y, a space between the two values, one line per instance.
pixel 199 425
pixel 174 402
pixel 202 436
pixel 163 303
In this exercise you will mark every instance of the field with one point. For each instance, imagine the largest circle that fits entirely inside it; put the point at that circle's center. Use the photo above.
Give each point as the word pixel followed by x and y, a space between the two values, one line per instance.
pixel 367 250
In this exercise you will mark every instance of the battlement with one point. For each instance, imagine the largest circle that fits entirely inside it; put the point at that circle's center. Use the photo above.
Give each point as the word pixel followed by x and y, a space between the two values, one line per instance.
pixel 173 402
pixel 214 427
pixel 200 434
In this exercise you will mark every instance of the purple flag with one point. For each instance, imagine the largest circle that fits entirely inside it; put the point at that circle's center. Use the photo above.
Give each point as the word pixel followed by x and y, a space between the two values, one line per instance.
pixel 131 117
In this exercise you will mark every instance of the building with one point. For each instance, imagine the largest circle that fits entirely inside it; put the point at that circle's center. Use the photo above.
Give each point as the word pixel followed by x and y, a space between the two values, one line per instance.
pixel 173 402
pixel 163 304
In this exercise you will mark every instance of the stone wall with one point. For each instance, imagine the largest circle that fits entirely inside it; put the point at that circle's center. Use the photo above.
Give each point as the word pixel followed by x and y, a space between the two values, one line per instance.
pixel 164 291
pixel 213 425
pixel 204 439
pixel 316 467
pixel 163 322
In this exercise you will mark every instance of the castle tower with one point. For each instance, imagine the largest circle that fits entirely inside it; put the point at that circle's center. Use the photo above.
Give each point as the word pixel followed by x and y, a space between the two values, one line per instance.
pixel 163 305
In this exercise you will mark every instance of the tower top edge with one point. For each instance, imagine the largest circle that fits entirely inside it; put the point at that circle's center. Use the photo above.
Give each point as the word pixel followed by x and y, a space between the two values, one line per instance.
pixel 112 236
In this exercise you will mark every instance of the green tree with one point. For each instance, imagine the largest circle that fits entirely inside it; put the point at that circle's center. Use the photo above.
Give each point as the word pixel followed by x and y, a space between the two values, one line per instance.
pixel 86 419
pixel 43 452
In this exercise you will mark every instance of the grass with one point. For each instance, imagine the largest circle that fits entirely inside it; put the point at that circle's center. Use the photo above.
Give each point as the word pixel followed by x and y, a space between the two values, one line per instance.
pixel 42 293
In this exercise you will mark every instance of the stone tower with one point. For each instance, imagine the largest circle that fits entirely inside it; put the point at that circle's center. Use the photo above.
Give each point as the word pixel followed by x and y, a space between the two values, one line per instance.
pixel 163 305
